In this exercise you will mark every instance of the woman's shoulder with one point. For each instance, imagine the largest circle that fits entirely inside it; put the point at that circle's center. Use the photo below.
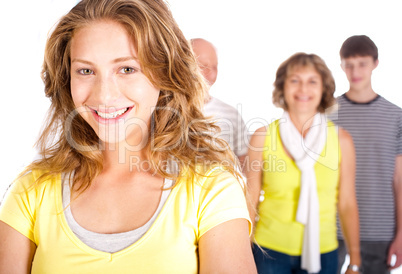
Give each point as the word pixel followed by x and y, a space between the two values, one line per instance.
pixel 211 170
pixel 345 140
pixel 212 176
pixel 263 129
pixel 261 135
pixel 257 140
pixel 33 180
pixel 267 129
pixel 344 135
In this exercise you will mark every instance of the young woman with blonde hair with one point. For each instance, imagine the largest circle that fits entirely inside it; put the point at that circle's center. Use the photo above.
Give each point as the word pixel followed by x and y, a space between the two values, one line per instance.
pixel 130 178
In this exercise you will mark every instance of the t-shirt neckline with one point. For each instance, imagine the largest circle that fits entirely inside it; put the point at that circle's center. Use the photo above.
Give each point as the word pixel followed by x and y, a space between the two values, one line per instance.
pixel 358 103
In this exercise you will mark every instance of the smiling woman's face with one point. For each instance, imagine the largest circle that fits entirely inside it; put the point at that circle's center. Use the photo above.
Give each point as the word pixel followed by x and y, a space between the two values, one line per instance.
pixel 303 91
pixel 107 85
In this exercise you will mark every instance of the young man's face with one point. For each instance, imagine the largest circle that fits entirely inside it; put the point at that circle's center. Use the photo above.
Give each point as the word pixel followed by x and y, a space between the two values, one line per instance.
pixel 358 70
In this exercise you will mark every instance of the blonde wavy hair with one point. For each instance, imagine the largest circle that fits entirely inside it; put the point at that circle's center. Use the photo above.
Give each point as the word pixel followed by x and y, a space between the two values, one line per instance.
pixel 300 60
pixel 178 128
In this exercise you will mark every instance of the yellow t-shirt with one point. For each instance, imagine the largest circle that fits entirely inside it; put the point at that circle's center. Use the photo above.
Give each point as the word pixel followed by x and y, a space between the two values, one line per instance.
pixel 277 228
pixel 169 246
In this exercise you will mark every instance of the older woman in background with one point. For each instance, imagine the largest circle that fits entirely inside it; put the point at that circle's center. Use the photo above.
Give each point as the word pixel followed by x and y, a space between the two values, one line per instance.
pixel 304 170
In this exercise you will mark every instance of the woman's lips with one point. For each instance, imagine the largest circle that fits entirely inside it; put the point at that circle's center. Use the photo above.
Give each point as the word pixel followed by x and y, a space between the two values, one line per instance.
pixel 111 115
pixel 108 115
pixel 303 98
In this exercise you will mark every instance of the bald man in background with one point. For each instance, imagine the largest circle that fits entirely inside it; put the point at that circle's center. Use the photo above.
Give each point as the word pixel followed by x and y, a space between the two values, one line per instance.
pixel 233 128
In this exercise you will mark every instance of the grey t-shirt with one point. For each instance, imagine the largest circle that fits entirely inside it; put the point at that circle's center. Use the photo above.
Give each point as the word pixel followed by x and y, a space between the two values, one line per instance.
pixel 376 129
pixel 230 121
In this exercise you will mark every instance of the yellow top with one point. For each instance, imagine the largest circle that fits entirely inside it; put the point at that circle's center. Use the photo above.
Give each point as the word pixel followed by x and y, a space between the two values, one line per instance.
pixel 169 246
pixel 277 228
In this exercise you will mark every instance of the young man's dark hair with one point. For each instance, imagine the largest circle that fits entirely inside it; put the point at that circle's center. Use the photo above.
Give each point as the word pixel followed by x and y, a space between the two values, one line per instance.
pixel 359 45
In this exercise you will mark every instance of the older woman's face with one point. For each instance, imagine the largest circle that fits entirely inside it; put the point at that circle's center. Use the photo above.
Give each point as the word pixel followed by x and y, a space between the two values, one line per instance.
pixel 303 90
pixel 107 85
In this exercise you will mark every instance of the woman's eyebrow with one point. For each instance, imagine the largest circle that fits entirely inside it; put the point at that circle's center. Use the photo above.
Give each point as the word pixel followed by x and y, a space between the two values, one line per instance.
pixel 117 60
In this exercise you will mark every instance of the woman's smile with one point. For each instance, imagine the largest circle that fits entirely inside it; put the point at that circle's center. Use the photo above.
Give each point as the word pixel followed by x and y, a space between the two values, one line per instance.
pixel 110 115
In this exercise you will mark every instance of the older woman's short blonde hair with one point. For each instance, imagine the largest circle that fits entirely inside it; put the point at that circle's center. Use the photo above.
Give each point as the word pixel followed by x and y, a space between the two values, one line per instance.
pixel 304 60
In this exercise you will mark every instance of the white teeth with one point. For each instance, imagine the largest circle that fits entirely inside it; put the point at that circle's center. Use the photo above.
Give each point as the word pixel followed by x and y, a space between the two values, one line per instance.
pixel 303 98
pixel 111 115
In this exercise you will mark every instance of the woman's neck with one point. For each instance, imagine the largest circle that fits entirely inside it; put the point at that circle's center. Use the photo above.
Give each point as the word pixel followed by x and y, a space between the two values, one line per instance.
pixel 302 122
pixel 123 158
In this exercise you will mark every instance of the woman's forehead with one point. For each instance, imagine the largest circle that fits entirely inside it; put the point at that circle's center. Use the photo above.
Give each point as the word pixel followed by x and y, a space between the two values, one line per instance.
pixel 300 67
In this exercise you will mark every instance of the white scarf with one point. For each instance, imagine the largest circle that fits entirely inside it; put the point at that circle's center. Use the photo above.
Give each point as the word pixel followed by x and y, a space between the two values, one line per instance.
pixel 305 152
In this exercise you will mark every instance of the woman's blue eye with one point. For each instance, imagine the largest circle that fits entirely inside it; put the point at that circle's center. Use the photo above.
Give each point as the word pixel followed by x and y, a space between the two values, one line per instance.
pixel 86 71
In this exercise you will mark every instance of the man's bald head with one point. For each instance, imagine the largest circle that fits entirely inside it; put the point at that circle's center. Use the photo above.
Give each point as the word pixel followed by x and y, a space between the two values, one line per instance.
pixel 207 58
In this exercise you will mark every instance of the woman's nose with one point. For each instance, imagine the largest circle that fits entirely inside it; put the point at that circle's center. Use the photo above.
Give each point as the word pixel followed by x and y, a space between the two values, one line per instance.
pixel 106 90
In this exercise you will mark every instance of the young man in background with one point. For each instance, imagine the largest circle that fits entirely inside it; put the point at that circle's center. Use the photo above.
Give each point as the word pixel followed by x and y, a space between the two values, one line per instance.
pixel 376 127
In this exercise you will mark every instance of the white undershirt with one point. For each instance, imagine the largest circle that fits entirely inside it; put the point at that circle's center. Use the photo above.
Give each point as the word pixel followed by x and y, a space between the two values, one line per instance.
pixel 108 242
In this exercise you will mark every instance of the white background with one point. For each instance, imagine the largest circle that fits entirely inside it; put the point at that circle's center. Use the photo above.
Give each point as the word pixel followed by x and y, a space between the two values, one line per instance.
pixel 252 37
